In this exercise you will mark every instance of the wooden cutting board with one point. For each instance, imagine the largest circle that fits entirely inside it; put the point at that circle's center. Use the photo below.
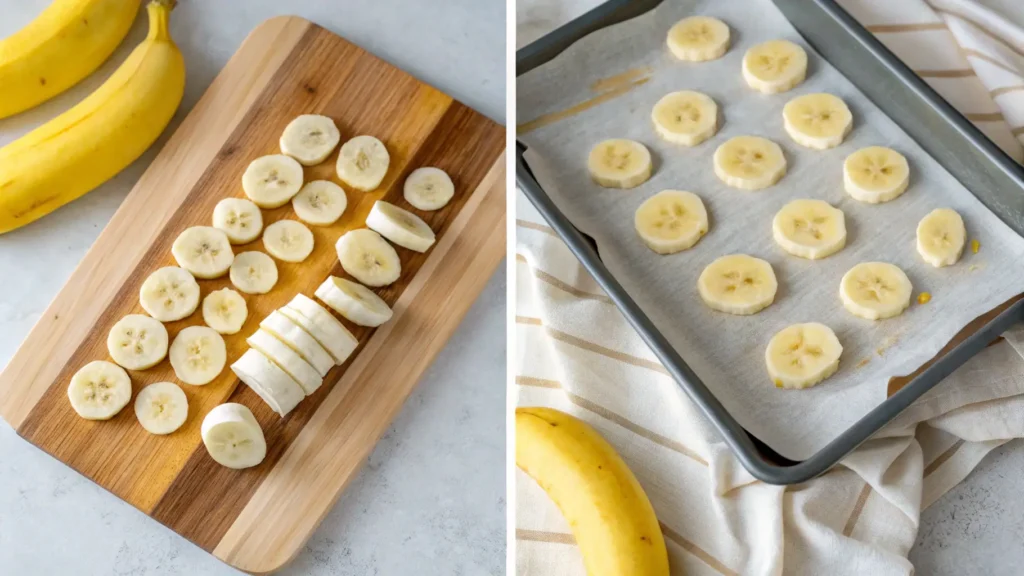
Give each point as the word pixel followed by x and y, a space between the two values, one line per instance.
pixel 258 519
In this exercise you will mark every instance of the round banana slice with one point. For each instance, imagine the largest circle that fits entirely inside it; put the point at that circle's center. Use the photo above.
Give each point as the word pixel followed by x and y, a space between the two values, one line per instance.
pixel 288 240
pixel 239 219
pixel 738 284
pixel 698 38
pixel 875 290
pixel 671 220
pixel 287 359
pixel 749 162
pixel 291 333
pixel 137 342
pixel 225 311
pixel 368 258
pixel 99 390
pixel 271 181
pixel 875 174
pixel 354 301
pixel 619 163
pixel 268 381
pixel 685 117
pixel 310 138
pixel 818 121
pixel 774 66
pixel 802 355
pixel 428 188
pixel 322 326
pixel 253 273
pixel 204 251
pixel 363 162
pixel 233 437
pixel 809 229
pixel 169 294
pixel 198 355
pixel 161 408
pixel 400 226
pixel 941 237
pixel 320 202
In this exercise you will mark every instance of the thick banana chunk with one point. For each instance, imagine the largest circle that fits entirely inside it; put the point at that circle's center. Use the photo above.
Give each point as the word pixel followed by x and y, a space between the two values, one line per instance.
pixel 875 290
pixel 239 219
pixel 272 384
pixel 354 301
pixel 137 342
pixel 875 174
pixel 288 240
pixel 685 117
pixel 698 38
pixel 818 121
pixel 774 66
pixel 287 359
pixel 810 229
pixel 225 311
pixel 161 408
pixel 271 181
pixel 400 226
pixel 320 202
pixel 619 163
pixel 169 294
pixel 671 220
pixel 802 355
pixel 198 355
pixel 738 284
pixel 368 258
pixel 310 138
pixel 292 334
pixel 363 162
pixel 428 188
pixel 253 272
pixel 941 237
pixel 233 437
pixel 99 390
pixel 749 162
pixel 322 326
pixel 204 251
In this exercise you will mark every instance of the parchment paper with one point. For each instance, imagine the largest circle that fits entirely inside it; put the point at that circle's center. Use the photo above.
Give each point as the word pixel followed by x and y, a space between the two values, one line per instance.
pixel 727 351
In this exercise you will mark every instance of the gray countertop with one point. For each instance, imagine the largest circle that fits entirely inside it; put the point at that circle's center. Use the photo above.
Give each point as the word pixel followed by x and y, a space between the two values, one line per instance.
pixel 431 498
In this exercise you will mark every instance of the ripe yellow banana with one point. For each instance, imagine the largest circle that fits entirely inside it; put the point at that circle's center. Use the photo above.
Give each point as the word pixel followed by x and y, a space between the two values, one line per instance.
pixel 611 517
pixel 90 143
pixel 63 45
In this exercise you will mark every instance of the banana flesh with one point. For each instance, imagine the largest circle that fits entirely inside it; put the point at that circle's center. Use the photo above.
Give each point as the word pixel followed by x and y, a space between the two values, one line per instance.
pixel 698 39
pixel 233 437
pixel 137 342
pixel 749 162
pixel 685 117
pixel 619 163
pixel 204 251
pixel 198 355
pixel 875 290
pixel 774 66
pixel 310 139
pixel 368 258
pixel 875 174
pixel 941 237
pixel 363 162
pixel 320 202
pixel 170 293
pixel 400 226
pixel 253 273
pixel 802 355
pixel 817 121
pixel 738 284
pixel 161 408
pixel 225 311
pixel 810 229
pixel 99 390
pixel 428 188
pixel 288 240
pixel 322 326
pixel 239 219
pixel 671 221
pixel 355 302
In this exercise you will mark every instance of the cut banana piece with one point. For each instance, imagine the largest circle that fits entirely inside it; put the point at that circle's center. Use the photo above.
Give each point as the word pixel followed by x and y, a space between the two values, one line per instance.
pixel 671 220
pixel 749 162
pixel 225 311
pixel 137 342
pixel 310 138
pixel 271 181
pixel 810 229
pixel 320 202
pixel 428 188
pixel 685 117
pixel 288 240
pixel 169 294
pixel 99 390
pixel 875 290
pixel 354 301
pixel 363 162
pixel 161 408
pixel 775 66
pixel 400 226
pixel 322 326
pixel 875 174
pixel 233 437
pixel 619 163
pixel 239 219
pixel 268 381
pixel 253 273
pixel 698 38
pixel 738 284
pixel 368 257
pixel 291 333
pixel 802 355
pixel 940 237
pixel 818 121
pixel 198 355
pixel 204 251
pixel 287 359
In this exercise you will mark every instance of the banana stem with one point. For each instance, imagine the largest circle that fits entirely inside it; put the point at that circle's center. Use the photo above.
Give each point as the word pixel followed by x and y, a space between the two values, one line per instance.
pixel 159 20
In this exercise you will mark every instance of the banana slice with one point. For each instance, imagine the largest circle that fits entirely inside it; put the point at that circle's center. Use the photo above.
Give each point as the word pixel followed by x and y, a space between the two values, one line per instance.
pixel 354 301
pixel 400 226
pixel 233 437
pixel 818 121
pixel 941 237
pixel 698 38
pixel 749 162
pixel 253 273
pixel 287 359
pixel 671 220
pixel 169 294
pixel 288 240
pixel 161 408
pixel 619 163
pixel 225 311
pixel 368 257
pixel 809 229
pixel 268 381
pixel 99 390
pixel 363 162
pixel 239 219
pixel 774 66
pixel 322 326
pixel 802 355
pixel 204 251
pixel 738 284
pixel 198 355
pixel 428 188
pixel 685 117
pixel 288 331
pixel 271 181
pixel 875 174
pixel 875 290
pixel 310 138
pixel 320 202
pixel 137 342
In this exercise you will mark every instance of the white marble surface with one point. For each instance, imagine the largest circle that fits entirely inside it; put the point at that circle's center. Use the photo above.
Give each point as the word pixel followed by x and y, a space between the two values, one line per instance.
pixel 431 499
